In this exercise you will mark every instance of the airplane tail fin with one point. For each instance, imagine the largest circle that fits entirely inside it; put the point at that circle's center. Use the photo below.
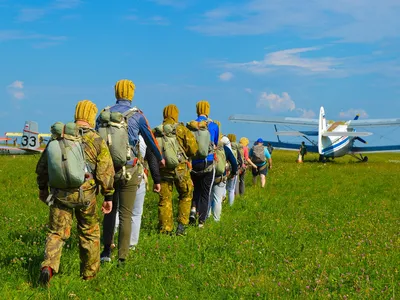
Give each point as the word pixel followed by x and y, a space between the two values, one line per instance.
pixel 321 128
pixel 30 136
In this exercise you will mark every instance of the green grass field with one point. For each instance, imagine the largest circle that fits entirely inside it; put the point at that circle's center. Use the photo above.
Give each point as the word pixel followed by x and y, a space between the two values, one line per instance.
pixel 316 231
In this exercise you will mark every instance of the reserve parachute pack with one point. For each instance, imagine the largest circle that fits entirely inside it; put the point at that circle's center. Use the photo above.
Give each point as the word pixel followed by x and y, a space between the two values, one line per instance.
pixel 258 155
pixel 170 148
pixel 203 138
pixel 235 149
pixel 66 161
pixel 238 152
pixel 113 128
pixel 221 162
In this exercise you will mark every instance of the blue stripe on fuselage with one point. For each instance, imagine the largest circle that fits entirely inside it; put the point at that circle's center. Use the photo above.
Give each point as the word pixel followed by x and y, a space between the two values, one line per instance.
pixel 335 145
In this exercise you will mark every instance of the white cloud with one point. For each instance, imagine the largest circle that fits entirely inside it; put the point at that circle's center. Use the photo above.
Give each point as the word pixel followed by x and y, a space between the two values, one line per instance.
pixel 29 14
pixel 15 89
pixel 17 84
pixel 42 40
pixel 226 76
pixel 158 20
pixel 282 103
pixel 248 90
pixel 304 113
pixel 351 113
pixel 289 58
pixel 276 103
pixel 350 21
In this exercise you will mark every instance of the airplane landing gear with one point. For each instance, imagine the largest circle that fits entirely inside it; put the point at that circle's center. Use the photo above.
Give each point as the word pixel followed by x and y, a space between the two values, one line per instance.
pixel 361 158
pixel 322 159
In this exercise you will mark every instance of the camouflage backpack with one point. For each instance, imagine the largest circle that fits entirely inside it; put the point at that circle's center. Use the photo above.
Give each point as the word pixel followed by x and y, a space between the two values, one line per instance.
pixel 170 148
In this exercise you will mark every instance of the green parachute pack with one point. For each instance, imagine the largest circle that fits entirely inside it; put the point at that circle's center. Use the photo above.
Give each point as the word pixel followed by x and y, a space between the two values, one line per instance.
pixel 203 138
pixel 220 165
pixel 170 148
pixel 67 165
pixel 113 128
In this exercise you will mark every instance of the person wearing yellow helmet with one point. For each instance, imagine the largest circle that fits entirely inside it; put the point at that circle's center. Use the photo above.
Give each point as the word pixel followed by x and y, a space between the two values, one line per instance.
pixel 240 186
pixel 126 183
pixel 64 203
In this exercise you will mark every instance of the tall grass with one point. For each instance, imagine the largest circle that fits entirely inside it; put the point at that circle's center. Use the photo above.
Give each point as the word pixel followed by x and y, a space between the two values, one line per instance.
pixel 316 231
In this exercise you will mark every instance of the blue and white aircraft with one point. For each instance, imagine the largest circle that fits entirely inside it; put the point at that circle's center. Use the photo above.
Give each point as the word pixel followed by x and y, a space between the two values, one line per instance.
pixel 335 139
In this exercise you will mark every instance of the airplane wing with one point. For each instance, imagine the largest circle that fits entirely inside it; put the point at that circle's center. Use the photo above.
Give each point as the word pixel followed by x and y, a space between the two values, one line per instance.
pixel 374 122
pixel 20 134
pixel 346 133
pixel 290 146
pixel 297 133
pixel 375 149
pixel 276 120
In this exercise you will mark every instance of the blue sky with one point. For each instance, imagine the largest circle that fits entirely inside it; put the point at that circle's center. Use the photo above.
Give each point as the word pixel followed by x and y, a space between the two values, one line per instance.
pixel 273 58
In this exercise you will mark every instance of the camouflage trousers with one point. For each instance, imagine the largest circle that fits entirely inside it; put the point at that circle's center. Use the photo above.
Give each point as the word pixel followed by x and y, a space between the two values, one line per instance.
pixel 180 177
pixel 89 236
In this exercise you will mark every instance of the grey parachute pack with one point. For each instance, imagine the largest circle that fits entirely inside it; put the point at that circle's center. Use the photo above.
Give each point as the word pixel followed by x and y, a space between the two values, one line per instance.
pixel 113 128
pixel 170 148
pixel 258 155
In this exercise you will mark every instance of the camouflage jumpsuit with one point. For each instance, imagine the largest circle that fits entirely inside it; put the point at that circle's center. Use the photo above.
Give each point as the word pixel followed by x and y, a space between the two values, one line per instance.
pixel 180 176
pixel 98 156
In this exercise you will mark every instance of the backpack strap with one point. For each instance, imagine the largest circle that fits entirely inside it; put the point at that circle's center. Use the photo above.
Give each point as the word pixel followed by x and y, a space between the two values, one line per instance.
pixel 61 142
pixel 130 112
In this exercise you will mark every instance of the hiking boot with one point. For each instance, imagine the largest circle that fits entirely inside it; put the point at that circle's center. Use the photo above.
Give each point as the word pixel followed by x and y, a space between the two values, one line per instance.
pixel 45 275
pixel 181 230
pixel 192 218
pixel 105 256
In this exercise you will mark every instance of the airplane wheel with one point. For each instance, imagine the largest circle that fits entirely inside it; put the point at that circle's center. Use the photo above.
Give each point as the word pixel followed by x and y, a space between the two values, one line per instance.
pixel 322 159
pixel 365 159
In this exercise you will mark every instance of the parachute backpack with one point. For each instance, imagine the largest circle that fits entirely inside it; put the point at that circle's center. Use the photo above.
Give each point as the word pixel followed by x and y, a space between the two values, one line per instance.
pixel 220 166
pixel 67 165
pixel 203 138
pixel 170 147
pixel 113 128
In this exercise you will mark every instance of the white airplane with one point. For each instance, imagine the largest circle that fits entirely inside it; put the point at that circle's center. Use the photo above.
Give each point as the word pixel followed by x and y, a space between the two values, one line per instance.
pixel 335 139
pixel 30 140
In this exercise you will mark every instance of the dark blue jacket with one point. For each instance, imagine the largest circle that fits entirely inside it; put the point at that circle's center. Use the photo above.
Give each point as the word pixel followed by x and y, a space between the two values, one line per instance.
pixel 231 159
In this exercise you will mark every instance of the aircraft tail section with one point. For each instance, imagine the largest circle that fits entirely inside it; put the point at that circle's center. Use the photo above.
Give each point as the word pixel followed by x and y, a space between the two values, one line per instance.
pixel 30 136
pixel 321 128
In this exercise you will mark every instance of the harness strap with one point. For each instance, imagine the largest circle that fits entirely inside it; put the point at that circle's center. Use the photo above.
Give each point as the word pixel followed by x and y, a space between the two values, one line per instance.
pixel 64 161
pixel 263 167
